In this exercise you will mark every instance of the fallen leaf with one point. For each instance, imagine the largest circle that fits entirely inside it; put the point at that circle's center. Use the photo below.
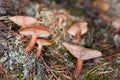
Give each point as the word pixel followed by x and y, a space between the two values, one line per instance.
pixel 23 20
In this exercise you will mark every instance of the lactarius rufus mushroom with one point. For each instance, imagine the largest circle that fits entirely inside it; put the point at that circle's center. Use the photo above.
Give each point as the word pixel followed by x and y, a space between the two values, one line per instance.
pixel 104 6
pixel 81 53
pixel 77 29
pixel 23 20
pixel 40 43
pixel 61 17
pixel 116 25
pixel 34 31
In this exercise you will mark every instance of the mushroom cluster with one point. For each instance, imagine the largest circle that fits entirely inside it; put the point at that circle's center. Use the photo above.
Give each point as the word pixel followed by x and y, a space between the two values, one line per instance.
pixel 30 28
pixel 38 35
pixel 36 32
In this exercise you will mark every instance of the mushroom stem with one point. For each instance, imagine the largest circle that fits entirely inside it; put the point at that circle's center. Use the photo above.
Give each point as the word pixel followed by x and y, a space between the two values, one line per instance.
pixel 78 67
pixel 78 36
pixel 31 43
pixel 39 50
pixel 60 22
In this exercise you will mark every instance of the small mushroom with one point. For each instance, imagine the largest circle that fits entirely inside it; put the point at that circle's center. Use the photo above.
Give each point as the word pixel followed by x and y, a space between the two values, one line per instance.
pixel 77 29
pixel 116 25
pixel 34 31
pixel 81 53
pixel 102 5
pixel 40 43
pixel 61 17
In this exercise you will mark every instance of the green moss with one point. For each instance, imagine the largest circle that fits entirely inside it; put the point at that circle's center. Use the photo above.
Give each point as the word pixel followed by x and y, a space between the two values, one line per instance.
pixel 74 11
pixel 18 73
pixel 117 65
pixel 95 77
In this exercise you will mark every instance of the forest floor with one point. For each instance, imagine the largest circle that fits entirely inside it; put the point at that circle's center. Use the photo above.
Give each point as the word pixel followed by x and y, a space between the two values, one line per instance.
pixel 56 62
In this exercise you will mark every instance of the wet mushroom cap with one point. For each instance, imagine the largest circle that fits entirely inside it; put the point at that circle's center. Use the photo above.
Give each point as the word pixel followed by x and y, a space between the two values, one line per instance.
pixel 23 20
pixel 40 31
pixel 43 42
pixel 81 52
pixel 74 27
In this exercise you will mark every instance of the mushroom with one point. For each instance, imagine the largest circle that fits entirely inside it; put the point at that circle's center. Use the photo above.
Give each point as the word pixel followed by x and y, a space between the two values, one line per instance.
pixel 77 29
pixel 116 25
pixel 61 17
pixel 40 43
pixel 34 31
pixel 81 53
pixel 23 20
pixel 102 5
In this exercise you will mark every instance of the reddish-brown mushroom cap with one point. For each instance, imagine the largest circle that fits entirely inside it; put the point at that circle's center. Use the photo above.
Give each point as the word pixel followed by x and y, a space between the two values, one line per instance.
pixel 74 27
pixel 40 31
pixel 40 43
pixel 77 29
pixel 81 53
pixel 34 31
pixel 23 20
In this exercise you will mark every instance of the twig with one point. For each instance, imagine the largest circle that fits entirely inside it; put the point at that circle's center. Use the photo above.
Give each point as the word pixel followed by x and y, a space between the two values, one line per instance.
pixel 98 67
pixel 113 55
pixel 105 72
pixel 47 67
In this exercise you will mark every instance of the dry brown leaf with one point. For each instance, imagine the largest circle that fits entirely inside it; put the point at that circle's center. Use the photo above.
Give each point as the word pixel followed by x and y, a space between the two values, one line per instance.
pixel 23 20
